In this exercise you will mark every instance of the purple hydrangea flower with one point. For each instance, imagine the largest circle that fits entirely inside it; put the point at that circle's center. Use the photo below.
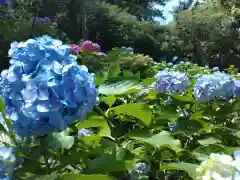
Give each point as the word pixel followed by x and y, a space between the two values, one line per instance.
pixel 4 2
pixel 169 81
pixel 54 24
pixel 75 48
pixel 47 20
pixel 214 86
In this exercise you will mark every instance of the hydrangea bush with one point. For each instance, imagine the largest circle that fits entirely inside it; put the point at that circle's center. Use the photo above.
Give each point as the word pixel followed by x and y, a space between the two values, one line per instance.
pixel 177 121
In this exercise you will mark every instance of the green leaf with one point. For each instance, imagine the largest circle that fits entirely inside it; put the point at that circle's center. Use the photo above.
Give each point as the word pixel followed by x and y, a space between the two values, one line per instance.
pixel 72 176
pixel 5 139
pixel 159 140
pixel 112 160
pixel 196 115
pixel 187 167
pixel 149 81
pixel 137 110
pixel 43 177
pixel 183 99
pixel 209 140
pixel 120 85
pixel 128 74
pixel 2 107
pixel 109 100
pixel 96 121
pixel 58 140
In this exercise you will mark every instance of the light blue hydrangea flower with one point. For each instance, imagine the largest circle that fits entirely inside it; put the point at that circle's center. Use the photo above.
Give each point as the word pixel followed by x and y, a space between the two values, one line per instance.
pixel 141 169
pixel 169 81
pixel 215 69
pixel 7 162
pixel 214 86
pixel 237 87
pixel 128 49
pixel 84 132
pixel 44 88
pixel 170 64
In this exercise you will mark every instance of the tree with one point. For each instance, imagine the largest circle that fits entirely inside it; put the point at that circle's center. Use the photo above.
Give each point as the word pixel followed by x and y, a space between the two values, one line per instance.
pixel 143 10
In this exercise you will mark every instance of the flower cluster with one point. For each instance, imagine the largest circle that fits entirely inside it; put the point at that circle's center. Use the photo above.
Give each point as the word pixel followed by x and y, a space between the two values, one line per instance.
pixel 7 162
pixel 127 49
pixel 84 132
pixel 74 48
pixel 87 46
pixel 218 85
pixel 90 46
pixel 4 2
pixel 45 89
pixel 141 169
pixel 46 20
pixel 169 81
pixel 219 167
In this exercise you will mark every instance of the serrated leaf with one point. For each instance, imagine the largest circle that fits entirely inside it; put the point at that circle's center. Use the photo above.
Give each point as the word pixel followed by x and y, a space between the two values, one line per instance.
pixel 209 140
pixel 58 140
pixel 159 140
pixel 72 176
pixel 187 167
pixel 137 110
pixel 96 121
pixel 120 85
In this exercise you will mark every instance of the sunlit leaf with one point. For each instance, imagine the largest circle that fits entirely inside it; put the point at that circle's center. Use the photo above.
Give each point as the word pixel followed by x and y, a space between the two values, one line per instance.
pixel 109 100
pixel 96 121
pixel 137 110
pixel 120 85
pixel 72 176
pixel 209 140
pixel 159 140
pixel 58 140
pixel 187 167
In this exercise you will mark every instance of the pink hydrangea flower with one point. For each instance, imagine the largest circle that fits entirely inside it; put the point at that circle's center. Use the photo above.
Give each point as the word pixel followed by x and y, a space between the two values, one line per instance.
pixel 74 48
pixel 90 46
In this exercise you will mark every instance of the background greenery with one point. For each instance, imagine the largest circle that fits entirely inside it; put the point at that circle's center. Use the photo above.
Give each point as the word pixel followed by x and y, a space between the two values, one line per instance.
pixel 206 32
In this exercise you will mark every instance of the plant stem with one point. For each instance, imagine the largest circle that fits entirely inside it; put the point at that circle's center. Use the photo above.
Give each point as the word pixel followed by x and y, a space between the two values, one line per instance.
pixel 98 110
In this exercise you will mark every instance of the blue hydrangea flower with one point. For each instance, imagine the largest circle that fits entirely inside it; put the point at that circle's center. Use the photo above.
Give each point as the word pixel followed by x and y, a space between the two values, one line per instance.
pixel 85 132
pixel 7 162
pixel 170 64
pixel 237 87
pixel 141 169
pixel 169 81
pixel 3 2
pixel 44 88
pixel 214 86
pixel 215 69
